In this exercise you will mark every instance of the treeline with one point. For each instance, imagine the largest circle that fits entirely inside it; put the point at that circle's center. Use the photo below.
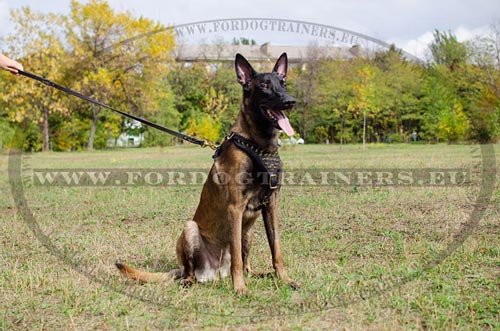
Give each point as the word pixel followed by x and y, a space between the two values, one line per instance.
pixel 455 97
pixel 382 98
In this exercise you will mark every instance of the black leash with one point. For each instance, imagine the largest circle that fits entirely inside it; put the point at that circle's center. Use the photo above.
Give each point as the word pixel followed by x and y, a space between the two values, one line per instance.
pixel 193 140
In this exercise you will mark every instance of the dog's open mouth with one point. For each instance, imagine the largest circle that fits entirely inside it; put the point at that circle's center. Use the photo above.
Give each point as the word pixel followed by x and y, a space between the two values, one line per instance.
pixel 279 119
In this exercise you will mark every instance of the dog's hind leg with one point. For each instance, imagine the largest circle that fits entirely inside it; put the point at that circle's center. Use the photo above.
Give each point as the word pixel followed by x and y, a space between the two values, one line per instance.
pixel 188 246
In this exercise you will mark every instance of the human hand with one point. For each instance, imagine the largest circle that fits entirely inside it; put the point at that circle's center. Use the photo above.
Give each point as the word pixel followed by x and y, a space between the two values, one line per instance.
pixel 10 65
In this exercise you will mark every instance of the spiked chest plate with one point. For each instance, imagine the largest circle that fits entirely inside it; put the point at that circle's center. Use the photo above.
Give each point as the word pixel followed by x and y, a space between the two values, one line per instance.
pixel 269 163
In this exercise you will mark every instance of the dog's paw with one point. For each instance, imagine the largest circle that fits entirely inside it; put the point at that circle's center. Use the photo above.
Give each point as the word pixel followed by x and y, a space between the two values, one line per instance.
pixel 294 285
pixel 241 290
pixel 186 283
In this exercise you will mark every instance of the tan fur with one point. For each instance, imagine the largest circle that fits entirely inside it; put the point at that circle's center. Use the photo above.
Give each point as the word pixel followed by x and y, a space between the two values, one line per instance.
pixel 143 276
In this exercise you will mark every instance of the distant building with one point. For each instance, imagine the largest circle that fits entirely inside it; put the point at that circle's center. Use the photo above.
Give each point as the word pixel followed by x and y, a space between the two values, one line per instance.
pixel 128 139
pixel 265 54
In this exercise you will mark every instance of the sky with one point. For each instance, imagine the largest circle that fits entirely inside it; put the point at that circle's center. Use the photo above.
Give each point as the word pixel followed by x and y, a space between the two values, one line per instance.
pixel 407 23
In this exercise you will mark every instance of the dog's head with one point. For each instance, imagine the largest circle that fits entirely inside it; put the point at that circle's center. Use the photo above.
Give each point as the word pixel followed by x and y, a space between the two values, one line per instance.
pixel 266 93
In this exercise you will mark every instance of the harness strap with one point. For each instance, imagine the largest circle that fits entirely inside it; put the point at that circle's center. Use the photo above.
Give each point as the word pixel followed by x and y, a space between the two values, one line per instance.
pixel 193 140
pixel 268 162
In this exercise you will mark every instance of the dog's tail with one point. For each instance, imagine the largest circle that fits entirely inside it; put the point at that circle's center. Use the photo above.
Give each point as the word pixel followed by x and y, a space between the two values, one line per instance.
pixel 145 277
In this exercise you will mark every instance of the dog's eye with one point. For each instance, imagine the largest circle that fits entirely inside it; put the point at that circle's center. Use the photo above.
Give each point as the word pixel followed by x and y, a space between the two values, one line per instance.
pixel 264 85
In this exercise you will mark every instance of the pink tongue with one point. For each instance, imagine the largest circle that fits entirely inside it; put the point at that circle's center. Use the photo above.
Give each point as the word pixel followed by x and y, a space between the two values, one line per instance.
pixel 283 123
pixel 285 126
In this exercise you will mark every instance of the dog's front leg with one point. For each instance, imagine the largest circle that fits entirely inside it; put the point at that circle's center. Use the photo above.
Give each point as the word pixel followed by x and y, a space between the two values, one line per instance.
pixel 271 223
pixel 235 215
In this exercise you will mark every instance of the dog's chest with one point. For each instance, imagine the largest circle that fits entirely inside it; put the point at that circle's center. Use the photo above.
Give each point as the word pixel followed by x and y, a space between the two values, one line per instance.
pixel 258 198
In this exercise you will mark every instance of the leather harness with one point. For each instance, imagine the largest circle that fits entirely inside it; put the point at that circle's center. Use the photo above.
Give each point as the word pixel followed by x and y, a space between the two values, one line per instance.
pixel 269 163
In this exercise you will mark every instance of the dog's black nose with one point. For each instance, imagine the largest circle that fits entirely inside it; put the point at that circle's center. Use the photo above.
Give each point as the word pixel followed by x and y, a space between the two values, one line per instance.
pixel 289 102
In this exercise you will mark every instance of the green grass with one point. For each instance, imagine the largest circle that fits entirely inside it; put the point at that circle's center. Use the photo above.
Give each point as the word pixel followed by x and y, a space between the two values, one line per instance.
pixel 359 252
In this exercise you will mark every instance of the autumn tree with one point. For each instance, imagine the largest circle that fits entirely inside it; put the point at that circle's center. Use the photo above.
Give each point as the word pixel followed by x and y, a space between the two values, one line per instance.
pixel 109 64
pixel 364 93
pixel 125 61
pixel 208 100
pixel 486 59
pixel 333 118
pixel 463 69
pixel 37 42
pixel 399 85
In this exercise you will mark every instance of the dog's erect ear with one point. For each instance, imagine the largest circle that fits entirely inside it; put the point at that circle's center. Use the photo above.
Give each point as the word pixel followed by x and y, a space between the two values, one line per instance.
pixel 244 70
pixel 281 66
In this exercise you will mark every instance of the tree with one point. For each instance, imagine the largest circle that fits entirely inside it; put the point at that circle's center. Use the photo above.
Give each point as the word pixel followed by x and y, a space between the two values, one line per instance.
pixel 207 100
pixel 453 124
pixel 364 94
pixel 189 85
pixel 335 93
pixel 447 50
pixel 398 92
pixel 37 41
pixel 243 41
pixel 303 85
pixel 226 86
pixel 122 74
pixel 167 115
pixel 486 57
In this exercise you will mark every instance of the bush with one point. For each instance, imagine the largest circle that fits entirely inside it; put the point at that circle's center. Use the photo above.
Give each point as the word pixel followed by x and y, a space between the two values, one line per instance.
pixel 7 134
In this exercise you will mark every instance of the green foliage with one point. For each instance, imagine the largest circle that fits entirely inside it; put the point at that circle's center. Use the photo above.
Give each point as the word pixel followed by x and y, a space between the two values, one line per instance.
pixel 125 74
pixel 386 90
pixel 72 135
pixel 168 116
pixel 7 135
pixel 453 124
pixel 447 50
pixel 451 99
pixel 37 40
pixel 32 137
pixel 321 133
pixel 436 99
pixel 93 50
pixel 205 127
pixel 207 101
pixel 244 41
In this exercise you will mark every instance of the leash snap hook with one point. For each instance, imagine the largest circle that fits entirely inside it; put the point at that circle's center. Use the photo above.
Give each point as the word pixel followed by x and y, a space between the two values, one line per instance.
pixel 210 144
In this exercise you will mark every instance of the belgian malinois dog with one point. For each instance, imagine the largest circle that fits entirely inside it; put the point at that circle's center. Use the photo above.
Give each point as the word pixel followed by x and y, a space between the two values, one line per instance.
pixel 217 241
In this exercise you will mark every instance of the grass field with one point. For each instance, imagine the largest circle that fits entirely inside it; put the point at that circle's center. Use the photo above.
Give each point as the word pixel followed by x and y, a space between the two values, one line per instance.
pixel 367 256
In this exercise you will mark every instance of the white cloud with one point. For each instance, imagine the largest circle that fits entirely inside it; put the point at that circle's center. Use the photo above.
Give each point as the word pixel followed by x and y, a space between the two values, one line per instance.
pixel 463 34
pixel 420 45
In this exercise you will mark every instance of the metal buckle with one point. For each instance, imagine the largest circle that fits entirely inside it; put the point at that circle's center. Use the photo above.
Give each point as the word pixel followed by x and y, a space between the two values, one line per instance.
pixel 271 186
pixel 210 144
